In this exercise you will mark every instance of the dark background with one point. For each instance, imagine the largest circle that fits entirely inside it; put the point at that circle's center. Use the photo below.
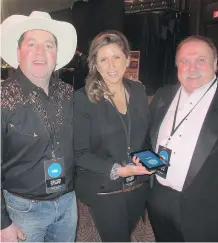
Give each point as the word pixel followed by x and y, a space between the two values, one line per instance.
pixel 154 33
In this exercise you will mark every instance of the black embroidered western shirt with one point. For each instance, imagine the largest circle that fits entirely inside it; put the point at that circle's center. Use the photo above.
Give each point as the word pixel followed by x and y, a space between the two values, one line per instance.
pixel 33 125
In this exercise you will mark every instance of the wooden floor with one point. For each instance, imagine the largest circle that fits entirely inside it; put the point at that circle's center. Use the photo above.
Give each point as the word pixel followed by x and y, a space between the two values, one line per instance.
pixel 86 231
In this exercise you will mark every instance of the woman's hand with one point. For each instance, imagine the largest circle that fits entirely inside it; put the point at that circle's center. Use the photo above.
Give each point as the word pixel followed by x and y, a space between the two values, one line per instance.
pixel 131 170
pixel 136 161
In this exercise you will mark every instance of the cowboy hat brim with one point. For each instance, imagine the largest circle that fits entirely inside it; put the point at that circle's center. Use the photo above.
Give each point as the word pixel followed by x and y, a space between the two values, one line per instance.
pixel 19 24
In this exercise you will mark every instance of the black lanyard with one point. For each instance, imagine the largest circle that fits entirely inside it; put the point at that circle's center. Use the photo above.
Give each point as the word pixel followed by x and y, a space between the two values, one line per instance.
pixel 127 127
pixel 174 129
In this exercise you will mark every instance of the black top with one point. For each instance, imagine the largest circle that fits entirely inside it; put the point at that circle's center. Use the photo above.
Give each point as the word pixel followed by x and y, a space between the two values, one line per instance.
pixel 33 123
pixel 101 140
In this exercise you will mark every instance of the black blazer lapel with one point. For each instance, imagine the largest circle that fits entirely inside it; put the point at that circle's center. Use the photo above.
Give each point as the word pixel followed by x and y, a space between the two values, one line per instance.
pixel 207 138
pixel 135 99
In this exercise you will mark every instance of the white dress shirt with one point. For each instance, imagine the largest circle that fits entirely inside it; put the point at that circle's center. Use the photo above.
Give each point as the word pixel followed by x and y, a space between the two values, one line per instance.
pixel 184 140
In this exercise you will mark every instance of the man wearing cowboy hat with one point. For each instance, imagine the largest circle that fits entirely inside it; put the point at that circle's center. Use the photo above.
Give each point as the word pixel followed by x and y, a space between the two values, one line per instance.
pixel 38 199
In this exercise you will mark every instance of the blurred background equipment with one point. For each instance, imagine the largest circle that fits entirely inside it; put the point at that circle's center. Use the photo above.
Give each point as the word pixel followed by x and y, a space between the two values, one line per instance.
pixel 76 70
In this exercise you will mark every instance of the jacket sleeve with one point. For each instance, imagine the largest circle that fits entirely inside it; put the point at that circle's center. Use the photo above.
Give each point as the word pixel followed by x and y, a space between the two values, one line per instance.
pixel 5 219
pixel 83 114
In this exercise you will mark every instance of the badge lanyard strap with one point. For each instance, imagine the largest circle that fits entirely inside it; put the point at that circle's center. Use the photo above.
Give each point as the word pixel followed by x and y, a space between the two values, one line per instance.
pixel 127 128
pixel 175 128
pixel 52 136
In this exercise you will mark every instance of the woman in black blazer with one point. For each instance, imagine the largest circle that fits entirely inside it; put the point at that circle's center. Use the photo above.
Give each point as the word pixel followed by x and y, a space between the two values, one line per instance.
pixel 111 120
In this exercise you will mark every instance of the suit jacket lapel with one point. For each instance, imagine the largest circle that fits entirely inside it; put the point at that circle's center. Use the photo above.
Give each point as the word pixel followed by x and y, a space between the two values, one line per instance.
pixel 160 111
pixel 207 138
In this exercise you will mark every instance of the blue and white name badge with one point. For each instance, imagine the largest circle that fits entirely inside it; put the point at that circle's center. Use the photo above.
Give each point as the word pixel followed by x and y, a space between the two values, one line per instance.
pixel 54 175
pixel 130 180
pixel 165 153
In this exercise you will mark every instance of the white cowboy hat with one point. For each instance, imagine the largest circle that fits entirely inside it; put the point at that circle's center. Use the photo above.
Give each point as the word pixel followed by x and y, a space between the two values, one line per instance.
pixel 14 26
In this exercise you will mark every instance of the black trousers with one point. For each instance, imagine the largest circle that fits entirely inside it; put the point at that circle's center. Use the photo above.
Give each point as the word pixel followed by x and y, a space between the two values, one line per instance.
pixel 164 213
pixel 115 216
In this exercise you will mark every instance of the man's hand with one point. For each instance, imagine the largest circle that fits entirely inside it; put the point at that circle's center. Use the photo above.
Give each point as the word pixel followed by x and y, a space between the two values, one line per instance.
pixel 11 234
pixel 131 170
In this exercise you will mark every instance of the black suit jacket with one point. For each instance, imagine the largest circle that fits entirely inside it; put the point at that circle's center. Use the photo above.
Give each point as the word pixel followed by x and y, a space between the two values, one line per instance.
pixel 100 140
pixel 199 197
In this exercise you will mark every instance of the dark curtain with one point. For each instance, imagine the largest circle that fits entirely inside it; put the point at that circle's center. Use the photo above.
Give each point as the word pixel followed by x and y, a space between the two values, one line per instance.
pixel 89 18
pixel 149 73
pixel 81 20
pixel 106 15
pixel 62 15
pixel 156 35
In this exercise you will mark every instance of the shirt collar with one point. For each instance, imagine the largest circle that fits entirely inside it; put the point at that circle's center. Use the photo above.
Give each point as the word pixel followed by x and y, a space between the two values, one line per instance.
pixel 27 86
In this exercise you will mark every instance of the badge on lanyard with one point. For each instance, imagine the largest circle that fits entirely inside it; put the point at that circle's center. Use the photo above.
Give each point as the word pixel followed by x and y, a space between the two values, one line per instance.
pixel 130 180
pixel 54 175
pixel 165 153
